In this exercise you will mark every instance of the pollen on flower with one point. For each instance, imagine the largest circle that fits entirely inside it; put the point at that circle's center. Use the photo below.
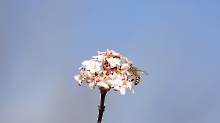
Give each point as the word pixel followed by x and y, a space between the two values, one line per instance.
pixel 107 70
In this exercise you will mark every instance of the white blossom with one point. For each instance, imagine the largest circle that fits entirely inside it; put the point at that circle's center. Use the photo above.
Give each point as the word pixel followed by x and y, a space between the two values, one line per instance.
pixel 106 70
pixel 113 62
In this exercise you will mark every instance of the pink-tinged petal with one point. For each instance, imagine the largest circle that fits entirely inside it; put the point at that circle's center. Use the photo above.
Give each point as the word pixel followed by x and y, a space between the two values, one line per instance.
pixel 107 68
pixel 97 80
pixel 124 59
pixel 108 51
pixel 84 68
pixel 102 84
pixel 116 88
pixel 130 63
pixel 80 83
pixel 79 79
pixel 122 90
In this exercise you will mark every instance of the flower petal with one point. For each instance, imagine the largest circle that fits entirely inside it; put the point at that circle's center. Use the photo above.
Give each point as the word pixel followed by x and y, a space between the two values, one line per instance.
pixel 122 90
pixel 77 77
pixel 116 88
pixel 85 62
pixel 124 65
pixel 92 85
pixel 102 84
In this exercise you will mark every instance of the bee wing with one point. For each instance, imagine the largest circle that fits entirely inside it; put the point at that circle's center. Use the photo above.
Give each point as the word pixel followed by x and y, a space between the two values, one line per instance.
pixel 141 71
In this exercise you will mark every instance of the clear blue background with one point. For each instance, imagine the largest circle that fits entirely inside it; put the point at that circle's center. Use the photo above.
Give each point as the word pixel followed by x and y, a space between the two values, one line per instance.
pixel 42 45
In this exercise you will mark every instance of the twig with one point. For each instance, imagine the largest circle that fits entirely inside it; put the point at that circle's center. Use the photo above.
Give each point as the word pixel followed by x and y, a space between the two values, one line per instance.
pixel 101 106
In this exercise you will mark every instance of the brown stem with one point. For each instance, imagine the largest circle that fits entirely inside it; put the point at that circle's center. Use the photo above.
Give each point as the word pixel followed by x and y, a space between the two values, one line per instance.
pixel 101 106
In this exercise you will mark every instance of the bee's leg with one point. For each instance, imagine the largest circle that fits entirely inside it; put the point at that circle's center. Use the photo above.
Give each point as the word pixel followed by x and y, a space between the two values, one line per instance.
pixel 132 79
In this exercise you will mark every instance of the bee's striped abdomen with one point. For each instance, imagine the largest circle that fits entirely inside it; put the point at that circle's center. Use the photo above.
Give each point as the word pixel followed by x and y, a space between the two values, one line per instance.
pixel 137 80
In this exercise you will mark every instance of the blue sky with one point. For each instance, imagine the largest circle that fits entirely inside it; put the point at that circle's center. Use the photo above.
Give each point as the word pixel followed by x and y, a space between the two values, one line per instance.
pixel 42 45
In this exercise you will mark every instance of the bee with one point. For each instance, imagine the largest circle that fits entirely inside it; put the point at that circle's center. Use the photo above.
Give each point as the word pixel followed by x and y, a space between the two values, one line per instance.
pixel 135 72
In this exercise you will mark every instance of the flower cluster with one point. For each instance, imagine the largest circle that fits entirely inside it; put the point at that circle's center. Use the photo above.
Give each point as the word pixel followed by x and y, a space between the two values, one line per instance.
pixel 107 70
